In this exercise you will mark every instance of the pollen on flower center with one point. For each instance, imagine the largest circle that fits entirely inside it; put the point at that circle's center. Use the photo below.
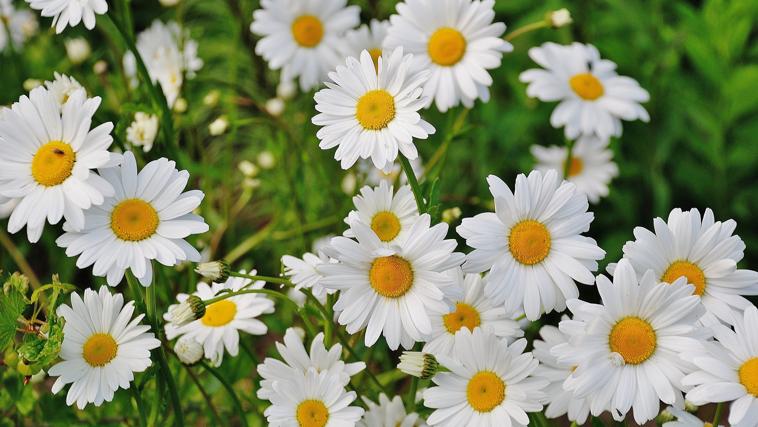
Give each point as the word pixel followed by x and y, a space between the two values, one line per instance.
pixel 312 413
pixel 386 225
pixel 391 276
pixel 99 350
pixel 485 391
pixel 375 109
pixel 375 53
pixel 529 242
pixel 219 313
pixel 463 316
pixel 53 163
pixel 587 86
pixel 575 166
pixel 691 271
pixel 134 220
pixel 634 339
pixel 446 46
pixel 307 30
pixel 748 374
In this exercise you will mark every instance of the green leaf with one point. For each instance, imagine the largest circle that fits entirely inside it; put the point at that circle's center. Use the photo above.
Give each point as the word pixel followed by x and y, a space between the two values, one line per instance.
pixel 40 351
pixel 12 304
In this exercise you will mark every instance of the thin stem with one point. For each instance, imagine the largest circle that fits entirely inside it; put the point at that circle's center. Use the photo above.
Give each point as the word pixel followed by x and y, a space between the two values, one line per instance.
pixel 569 159
pixel 138 404
pixel 528 28
pixel 229 389
pixel 408 169
pixel 208 400
pixel 410 402
pixel 268 292
pixel 717 415
pixel 269 279
pixel 19 259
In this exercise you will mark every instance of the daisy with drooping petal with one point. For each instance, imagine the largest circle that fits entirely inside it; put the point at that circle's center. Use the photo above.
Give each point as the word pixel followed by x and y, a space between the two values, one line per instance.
pixel 532 244
pixel 147 219
pixel 703 251
pixel 473 310
pixel 389 413
pixel 593 97
pixel 559 401
pixel 219 327
pixel 390 289
pixel 727 371
pixel 369 113
pixel 591 167
pixel 489 383
pixel 369 38
pixel 102 347
pixel 312 399
pixel 47 154
pixel 629 351
pixel 303 37
pixel 685 419
pixel 62 87
pixel 296 360
pixel 457 41
pixel 389 215
pixel 70 12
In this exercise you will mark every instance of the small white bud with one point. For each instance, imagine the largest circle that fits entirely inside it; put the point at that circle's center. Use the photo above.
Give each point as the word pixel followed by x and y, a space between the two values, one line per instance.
pixel 100 67
pixel 452 214
pixel 247 168
pixel 348 183
pixel 211 98
pixel 560 18
pixel 77 49
pixel 215 271
pixel 186 311
pixel 286 89
pixel 188 350
pixel 180 106
pixel 274 106
pixel 266 159
pixel 218 126
pixel 168 3
pixel 30 84
pixel 418 364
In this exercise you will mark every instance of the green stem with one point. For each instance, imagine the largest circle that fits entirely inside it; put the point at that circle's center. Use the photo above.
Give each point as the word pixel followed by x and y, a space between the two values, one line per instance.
pixel 269 279
pixel 717 415
pixel 408 169
pixel 567 163
pixel 268 292
pixel 526 29
pixel 229 389
pixel 206 397
pixel 410 403
pixel 138 404
pixel 19 259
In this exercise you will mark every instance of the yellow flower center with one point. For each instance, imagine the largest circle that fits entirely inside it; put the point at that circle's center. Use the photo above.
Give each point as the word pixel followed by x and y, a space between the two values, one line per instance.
pixel 391 276
pixel 749 376
pixel 312 413
pixel 485 391
pixel 529 242
pixel 634 339
pixel 575 166
pixel 386 225
pixel 375 109
pixel 446 46
pixel 375 53
pixel 307 30
pixel 219 313
pixel 587 86
pixel 99 350
pixel 52 163
pixel 464 315
pixel 134 220
pixel 692 272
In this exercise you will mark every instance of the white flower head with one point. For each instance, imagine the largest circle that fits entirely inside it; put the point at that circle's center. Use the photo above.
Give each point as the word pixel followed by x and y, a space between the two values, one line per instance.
pixel 367 37
pixel 389 215
pixel 304 272
pixel 20 24
pixel 62 87
pixel 389 413
pixel 70 12
pixel 188 350
pixel 143 130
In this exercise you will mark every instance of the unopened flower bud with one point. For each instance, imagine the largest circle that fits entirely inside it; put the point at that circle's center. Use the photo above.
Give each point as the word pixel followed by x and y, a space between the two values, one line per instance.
pixel 180 106
pixel 216 271
pixel 274 106
pixel 188 350
pixel 77 49
pixel 187 311
pixel 418 364
pixel 211 99
pixel 218 126
pixel 247 168
pixel 452 214
pixel 266 159
pixel 286 89
pixel 559 18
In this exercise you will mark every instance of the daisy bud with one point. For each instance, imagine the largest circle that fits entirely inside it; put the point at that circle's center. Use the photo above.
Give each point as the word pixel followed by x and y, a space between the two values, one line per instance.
pixel 211 99
pixel 559 18
pixel 266 160
pixel 188 350
pixel 452 214
pixel 665 416
pixel 216 271
pixel 348 183
pixel 30 84
pixel 168 3
pixel 286 89
pixel 274 106
pixel 180 106
pixel 188 310
pixel 247 168
pixel 418 364
pixel 77 49
pixel 100 67
pixel 218 126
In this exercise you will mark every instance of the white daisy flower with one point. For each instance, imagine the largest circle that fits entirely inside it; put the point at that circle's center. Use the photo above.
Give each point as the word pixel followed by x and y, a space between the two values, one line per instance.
pixel 703 251
pixel 728 370
pixel 369 113
pixel 312 399
pixel 102 347
pixel 390 290
pixel 219 327
pixel 143 130
pixel 593 97
pixel 457 41
pixel 369 38
pixel 473 310
pixel 7 206
pixel 390 215
pixel 685 419
pixel 62 87
pixel 20 24
pixel 532 244
pixel 489 383
pixel 591 167
pixel 303 37
pixel 147 219
pixel 304 273
pixel 70 12
pixel 170 55
pixel 389 413
pixel 47 153
pixel 559 401
pixel 629 350
pixel 297 361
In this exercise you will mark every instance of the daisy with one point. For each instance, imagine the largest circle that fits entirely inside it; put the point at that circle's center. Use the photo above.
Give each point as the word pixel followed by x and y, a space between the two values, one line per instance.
pixel 389 413
pixel 728 370
pixel 369 38
pixel 296 360
pixel 312 399
pixel 703 251
pixel 143 130
pixel 473 310
pixel 303 37
pixel 532 244
pixel 593 97
pixel 374 176
pixel 684 419
pixel 628 351
pixel 390 290
pixel 369 113
pixel 62 87
pixel 47 152
pixel 70 12
pixel 591 167
pixel 489 383
pixel 559 401
pixel 219 327
pixel 20 24
pixel 389 215
pixel 304 273
pixel 102 347
pixel 457 41
pixel 147 219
